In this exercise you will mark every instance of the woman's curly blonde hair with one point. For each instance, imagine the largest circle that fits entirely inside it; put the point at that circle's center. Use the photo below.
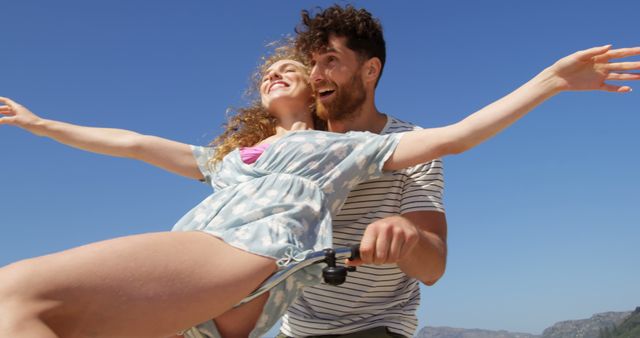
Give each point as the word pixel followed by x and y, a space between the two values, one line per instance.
pixel 252 124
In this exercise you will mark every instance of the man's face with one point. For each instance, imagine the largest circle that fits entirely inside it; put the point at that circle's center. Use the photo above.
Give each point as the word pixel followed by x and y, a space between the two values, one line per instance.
pixel 336 81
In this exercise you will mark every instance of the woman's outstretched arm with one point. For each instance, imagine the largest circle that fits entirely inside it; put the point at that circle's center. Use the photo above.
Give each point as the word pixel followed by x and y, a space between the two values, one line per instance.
pixel 583 70
pixel 170 155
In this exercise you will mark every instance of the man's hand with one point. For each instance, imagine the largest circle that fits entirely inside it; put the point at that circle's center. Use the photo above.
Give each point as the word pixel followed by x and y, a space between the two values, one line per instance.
pixel 387 241
pixel 415 241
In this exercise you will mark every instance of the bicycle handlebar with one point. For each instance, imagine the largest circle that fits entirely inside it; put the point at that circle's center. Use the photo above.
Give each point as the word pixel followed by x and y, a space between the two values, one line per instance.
pixel 334 275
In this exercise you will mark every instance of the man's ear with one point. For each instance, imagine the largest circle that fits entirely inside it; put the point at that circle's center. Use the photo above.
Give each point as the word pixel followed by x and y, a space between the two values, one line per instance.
pixel 371 70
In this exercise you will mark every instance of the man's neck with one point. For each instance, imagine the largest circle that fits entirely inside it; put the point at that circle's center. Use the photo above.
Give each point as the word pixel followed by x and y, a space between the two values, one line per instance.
pixel 367 119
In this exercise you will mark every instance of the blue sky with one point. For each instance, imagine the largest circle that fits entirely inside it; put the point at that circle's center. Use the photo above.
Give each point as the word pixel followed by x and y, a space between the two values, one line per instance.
pixel 543 221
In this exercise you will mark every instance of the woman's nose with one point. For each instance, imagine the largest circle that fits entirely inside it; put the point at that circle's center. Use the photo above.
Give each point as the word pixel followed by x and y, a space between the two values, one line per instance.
pixel 274 75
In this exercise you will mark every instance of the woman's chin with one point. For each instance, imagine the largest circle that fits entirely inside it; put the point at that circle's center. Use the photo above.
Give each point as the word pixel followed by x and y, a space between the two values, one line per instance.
pixel 284 104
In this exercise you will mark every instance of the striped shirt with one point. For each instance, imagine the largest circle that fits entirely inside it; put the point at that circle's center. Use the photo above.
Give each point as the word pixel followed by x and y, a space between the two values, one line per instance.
pixel 374 295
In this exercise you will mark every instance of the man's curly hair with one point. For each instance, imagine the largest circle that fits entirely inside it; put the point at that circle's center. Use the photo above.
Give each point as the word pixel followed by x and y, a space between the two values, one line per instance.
pixel 362 31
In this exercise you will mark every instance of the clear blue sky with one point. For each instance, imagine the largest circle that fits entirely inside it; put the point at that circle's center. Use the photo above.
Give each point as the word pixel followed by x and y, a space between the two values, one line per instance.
pixel 543 220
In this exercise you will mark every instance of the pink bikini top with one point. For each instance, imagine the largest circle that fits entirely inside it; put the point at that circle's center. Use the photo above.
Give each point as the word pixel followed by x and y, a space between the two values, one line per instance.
pixel 251 154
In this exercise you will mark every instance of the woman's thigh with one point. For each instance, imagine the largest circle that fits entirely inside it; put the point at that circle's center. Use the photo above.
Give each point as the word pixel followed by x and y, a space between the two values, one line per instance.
pixel 240 321
pixel 149 285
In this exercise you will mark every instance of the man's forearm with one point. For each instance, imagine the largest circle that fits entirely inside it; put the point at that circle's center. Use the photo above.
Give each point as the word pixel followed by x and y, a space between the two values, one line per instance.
pixel 428 258
pixel 427 261
pixel 416 241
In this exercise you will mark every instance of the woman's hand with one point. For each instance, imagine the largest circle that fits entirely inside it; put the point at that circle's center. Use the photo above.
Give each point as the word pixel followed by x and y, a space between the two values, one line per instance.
pixel 584 70
pixel 12 113
pixel 175 157
pixel 590 69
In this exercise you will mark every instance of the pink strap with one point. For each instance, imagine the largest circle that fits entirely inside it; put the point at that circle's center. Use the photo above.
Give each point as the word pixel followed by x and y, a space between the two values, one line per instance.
pixel 251 154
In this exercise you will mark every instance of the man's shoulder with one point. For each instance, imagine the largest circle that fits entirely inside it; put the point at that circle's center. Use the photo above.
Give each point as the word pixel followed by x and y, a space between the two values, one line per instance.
pixel 396 125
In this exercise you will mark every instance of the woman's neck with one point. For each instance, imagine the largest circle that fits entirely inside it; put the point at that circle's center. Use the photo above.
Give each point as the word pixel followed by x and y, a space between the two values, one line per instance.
pixel 294 122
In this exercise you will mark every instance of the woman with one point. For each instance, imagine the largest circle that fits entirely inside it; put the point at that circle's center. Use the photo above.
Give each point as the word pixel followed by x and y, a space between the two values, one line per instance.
pixel 153 285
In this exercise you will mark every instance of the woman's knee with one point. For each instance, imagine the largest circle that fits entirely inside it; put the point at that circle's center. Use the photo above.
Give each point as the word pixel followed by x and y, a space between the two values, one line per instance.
pixel 30 302
pixel 18 296
pixel 16 279
pixel 28 285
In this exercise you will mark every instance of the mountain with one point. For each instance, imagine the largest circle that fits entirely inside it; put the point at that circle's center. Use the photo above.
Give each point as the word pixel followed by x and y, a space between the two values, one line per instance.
pixel 450 332
pixel 585 328
pixel 601 325
pixel 629 328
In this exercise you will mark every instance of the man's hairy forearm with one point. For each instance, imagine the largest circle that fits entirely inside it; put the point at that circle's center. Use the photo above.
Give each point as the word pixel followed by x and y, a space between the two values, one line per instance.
pixel 427 260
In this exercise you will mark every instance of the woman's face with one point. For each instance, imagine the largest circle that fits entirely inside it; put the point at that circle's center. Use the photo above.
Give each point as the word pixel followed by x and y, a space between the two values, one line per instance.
pixel 285 87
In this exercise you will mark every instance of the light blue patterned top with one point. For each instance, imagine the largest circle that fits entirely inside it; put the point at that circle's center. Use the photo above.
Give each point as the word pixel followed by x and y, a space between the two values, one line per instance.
pixel 281 206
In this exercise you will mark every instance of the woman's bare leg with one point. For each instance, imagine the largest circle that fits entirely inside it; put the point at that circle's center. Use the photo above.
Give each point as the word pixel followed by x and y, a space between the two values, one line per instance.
pixel 240 321
pixel 150 285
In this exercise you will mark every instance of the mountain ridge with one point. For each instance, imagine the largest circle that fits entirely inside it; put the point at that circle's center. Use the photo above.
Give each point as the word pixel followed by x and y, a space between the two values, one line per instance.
pixel 600 325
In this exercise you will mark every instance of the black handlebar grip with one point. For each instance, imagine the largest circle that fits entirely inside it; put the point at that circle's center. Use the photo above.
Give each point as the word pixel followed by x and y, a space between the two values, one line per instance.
pixel 355 252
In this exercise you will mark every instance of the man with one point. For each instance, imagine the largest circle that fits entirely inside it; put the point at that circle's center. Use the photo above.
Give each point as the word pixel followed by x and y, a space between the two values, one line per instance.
pixel 398 219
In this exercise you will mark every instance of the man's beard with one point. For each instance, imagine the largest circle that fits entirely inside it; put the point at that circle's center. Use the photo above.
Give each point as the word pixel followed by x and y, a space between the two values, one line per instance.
pixel 347 101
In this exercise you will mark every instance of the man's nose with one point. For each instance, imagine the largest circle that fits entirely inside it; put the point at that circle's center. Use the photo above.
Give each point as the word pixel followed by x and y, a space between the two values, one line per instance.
pixel 316 74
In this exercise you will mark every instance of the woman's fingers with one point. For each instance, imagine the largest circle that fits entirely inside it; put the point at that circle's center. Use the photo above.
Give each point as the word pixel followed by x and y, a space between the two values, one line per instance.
pixel 8 112
pixel 7 101
pixel 9 106
pixel 615 89
pixel 622 66
pixel 7 120
pixel 590 53
pixel 614 67
pixel 623 76
pixel 618 54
